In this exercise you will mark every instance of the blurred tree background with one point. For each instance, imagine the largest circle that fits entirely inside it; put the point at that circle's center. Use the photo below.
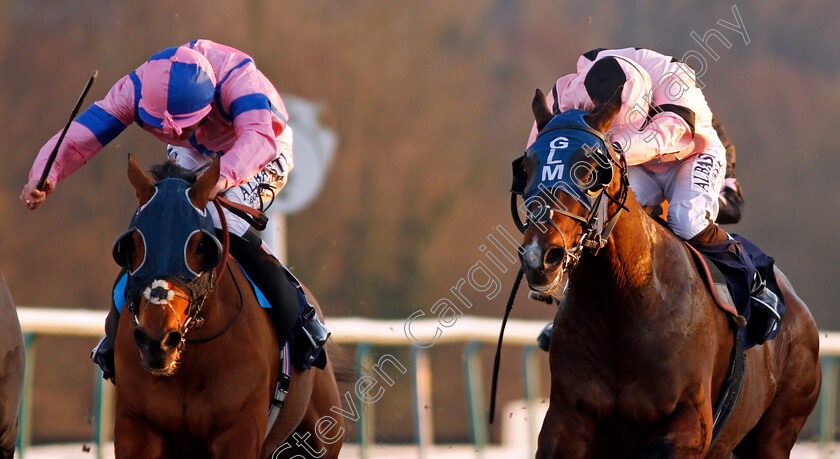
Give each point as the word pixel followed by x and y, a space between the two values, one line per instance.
pixel 430 101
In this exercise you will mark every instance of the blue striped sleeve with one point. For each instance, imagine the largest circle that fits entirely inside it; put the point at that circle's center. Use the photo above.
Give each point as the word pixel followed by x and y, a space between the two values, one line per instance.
pixel 218 94
pixel 135 80
pixel 104 125
pixel 253 102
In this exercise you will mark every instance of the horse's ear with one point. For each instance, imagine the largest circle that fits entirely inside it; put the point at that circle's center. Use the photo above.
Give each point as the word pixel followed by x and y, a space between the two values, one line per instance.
pixel 540 108
pixel 143 186
pixel 200 191
pixel 602 117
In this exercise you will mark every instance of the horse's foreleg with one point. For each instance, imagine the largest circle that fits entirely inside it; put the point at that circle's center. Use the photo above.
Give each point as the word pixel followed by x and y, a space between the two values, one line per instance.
pixel 688 433
pixel 242 439
pixel 134 438
pixel 564 435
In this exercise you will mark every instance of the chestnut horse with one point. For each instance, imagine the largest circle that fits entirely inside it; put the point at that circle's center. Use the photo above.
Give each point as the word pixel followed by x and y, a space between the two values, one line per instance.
pixel 188 389
pixel 11 372
pixel 640 351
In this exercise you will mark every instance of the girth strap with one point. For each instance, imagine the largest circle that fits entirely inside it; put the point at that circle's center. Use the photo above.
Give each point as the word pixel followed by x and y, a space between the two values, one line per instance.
pixel 281 389
pixel 732 388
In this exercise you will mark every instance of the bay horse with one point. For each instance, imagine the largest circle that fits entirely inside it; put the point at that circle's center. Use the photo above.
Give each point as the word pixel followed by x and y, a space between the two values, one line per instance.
pixel 11 372
pixel 204 390
pixel 639 350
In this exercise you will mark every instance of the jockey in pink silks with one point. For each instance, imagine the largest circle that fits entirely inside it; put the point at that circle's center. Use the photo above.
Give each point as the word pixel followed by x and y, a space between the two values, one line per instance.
pixel 666 134
pixel 204 100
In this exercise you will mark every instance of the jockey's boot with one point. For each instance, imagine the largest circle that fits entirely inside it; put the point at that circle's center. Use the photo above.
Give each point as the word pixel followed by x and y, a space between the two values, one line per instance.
pixel 730 201
pixel 544 337
pixel 316 332
pixel 763 297
pixel 313 332
pixel 103 355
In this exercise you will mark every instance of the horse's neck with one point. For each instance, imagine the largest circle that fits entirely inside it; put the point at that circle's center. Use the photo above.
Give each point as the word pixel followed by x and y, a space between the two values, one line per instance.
pixel 625 264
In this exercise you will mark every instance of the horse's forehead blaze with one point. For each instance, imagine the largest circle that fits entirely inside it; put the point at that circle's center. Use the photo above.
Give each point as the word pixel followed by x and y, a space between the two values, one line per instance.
pixel 163 305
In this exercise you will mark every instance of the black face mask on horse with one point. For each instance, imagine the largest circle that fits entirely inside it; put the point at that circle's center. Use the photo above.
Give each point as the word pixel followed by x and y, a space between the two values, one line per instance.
pixel 165 226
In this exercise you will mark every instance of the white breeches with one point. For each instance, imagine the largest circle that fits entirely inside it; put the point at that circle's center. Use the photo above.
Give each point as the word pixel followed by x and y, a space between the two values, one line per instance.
pixel 691 187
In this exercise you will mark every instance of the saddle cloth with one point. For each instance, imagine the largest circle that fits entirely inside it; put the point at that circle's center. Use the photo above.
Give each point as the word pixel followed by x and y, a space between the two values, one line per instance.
pixel 749 321
pixel 716 284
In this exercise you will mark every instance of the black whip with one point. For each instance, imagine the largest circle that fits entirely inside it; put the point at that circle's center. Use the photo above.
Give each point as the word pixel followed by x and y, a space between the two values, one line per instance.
pixel 54 153
pixel 499 345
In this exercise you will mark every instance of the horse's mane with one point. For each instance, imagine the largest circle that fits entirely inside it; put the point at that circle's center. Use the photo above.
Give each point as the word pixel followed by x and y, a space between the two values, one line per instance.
pixel 169 169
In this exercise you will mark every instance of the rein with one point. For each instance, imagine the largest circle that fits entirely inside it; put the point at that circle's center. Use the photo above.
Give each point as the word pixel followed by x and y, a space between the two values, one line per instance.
pixel 230 323
pixel 220 272
pixel 596 230
pixel 497 359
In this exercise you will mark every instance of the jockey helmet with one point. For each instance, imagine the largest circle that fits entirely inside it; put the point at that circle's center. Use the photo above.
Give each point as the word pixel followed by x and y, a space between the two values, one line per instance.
pixel 598 81
pixel 177 87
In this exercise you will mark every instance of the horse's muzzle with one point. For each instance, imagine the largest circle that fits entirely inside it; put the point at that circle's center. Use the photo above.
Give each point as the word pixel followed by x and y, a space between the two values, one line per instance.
pixel 159 354
pixel 543 266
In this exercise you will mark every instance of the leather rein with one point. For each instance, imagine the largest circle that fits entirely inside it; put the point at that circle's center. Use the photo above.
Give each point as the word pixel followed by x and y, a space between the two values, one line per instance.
pixel 597 227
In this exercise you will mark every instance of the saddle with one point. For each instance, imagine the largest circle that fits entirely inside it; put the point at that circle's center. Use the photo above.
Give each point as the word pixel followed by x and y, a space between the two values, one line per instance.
pixel 716 284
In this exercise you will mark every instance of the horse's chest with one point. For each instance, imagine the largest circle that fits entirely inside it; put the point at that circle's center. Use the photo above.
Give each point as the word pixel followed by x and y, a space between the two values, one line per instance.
pixel 193 405
pixel 645 403
pixel 641 401
pixel 615 387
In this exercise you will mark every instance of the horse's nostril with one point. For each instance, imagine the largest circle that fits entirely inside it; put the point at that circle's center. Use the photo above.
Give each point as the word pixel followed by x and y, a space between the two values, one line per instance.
pixel 554 257
pixel 173 339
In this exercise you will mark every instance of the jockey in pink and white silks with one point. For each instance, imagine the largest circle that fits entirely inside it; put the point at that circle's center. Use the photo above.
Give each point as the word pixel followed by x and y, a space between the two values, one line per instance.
pixel 665 132
pixel 674 154
pixel 204 100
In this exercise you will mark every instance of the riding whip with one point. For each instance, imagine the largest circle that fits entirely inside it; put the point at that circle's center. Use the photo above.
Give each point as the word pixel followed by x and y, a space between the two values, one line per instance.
pixel 498 357
pixel 54 153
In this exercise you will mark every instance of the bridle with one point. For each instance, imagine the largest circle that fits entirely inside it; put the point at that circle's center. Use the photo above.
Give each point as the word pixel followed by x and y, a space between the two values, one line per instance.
pixel 158 292
pixel 596 224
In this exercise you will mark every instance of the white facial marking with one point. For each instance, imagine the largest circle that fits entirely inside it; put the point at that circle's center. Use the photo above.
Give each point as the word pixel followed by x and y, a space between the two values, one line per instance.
pixel 533 255
pixel 170 295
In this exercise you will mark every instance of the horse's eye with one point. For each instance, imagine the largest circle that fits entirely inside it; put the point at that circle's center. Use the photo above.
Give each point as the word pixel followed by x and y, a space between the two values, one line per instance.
pixel 202 252
pixel 129 250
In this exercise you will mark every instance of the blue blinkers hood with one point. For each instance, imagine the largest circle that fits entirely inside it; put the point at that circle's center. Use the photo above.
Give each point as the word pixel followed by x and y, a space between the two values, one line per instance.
pixel 559 160
pixel 166 223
